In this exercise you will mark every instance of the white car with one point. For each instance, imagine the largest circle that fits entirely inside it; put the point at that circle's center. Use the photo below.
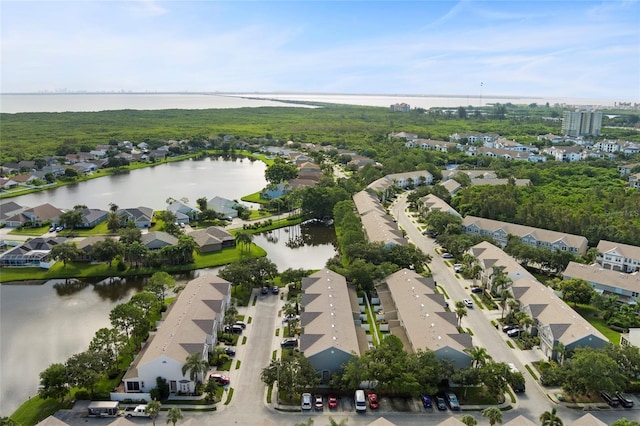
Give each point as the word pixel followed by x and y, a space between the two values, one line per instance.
pixel 457 267
pixel 447 256
pixel 468 303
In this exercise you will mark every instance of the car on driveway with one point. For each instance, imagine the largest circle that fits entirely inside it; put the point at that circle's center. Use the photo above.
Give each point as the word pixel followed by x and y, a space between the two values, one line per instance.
pixel 264 290
pixel 230 351
pixel 332 402
pixel 442 406
pixel 220 378
pixel 514 333
pixel 509 327
pixel 275 289
pixel 289 343
pixel 426 401
pixel 373 401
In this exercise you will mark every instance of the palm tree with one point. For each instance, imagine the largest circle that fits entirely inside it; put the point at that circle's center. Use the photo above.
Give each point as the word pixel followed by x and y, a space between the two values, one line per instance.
pixel 461 311
pixel 493 414
pixel 561 352
pixel 173 415
pixel 479 355
pixel 195 365
pixel 469 420
pixel 504 296
pixel 244 239
pixel 153 409
pixel 550 418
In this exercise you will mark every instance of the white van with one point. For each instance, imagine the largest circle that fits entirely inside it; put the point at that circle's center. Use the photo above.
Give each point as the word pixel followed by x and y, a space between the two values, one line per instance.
pixel 360 401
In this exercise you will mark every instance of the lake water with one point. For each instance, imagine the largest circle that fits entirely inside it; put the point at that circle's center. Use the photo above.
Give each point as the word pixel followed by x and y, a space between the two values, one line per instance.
pixel 151 186
pixel 14 103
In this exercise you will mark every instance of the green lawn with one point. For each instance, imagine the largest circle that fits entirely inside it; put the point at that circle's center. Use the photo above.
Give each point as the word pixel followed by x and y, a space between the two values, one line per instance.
pixel 592 315
pixel 83 270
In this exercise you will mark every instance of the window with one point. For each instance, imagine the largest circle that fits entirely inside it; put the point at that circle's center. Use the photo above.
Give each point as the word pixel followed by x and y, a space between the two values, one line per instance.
pixel 133 386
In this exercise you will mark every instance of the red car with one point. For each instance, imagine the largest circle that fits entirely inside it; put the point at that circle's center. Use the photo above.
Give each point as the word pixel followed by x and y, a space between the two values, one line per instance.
pixel 332 402
pixel 373 401
pixel 220 378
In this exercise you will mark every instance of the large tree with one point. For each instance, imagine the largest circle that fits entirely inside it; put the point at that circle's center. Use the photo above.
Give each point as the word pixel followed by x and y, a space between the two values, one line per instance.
pixel 591 371
pixel 577 291
pixel 280 171
pixel 106 250
pixel 66 252
pixel 129 319
pixel 53 382
pixel 159 284
pixel 85 369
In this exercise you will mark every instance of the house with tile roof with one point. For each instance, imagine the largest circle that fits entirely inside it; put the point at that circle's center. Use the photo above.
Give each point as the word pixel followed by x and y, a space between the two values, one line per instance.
pixel 626 287
pixel 329 336
pixel 618 256
pixel 535 237
pixel 190 326
pixel 417 315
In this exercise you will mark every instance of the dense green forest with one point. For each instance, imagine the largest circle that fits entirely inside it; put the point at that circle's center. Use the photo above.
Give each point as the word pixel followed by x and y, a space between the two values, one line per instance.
pixel 30 135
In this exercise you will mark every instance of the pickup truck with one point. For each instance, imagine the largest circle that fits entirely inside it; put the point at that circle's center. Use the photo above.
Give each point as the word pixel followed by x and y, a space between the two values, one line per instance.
pixel 138 411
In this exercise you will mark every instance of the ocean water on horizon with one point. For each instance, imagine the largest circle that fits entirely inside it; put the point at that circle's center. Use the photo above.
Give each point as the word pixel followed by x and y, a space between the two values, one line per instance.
pixel 16 103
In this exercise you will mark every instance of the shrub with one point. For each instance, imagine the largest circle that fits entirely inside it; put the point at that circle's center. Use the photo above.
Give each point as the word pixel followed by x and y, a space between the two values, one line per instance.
pixel 82 395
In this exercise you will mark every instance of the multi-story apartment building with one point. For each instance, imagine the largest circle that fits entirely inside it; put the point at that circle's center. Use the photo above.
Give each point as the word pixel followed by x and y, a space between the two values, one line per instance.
pixel 582 123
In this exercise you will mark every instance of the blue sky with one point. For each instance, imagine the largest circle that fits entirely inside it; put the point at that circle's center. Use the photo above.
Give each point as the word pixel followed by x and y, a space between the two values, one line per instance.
pixel 535 48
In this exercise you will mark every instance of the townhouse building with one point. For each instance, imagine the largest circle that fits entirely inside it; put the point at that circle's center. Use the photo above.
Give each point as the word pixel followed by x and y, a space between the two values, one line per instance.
pixel 618 257
pixel 330 322
pixel 535 237
pixel 190 326
pixel 626 287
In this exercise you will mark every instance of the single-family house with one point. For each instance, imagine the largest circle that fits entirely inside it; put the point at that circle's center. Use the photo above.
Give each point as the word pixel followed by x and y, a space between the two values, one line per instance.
pixel 85 245
pixel 618 256
pixel 184 212
pixel 35 216
pixel 212 239
pixel 32 253
pixel 158 239
pixel 535 237
pixel 92 217
pixel 223 206
pixel 84 167
pixel 329 312
pixel 417 315
pixel 140 216
pixel 626 287
pixel 7 183
pixel 189 327
pixel 8 209
pixel 23 178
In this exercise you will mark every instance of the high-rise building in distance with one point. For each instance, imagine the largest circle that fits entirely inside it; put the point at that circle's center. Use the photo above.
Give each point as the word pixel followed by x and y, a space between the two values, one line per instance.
pixel 581 123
